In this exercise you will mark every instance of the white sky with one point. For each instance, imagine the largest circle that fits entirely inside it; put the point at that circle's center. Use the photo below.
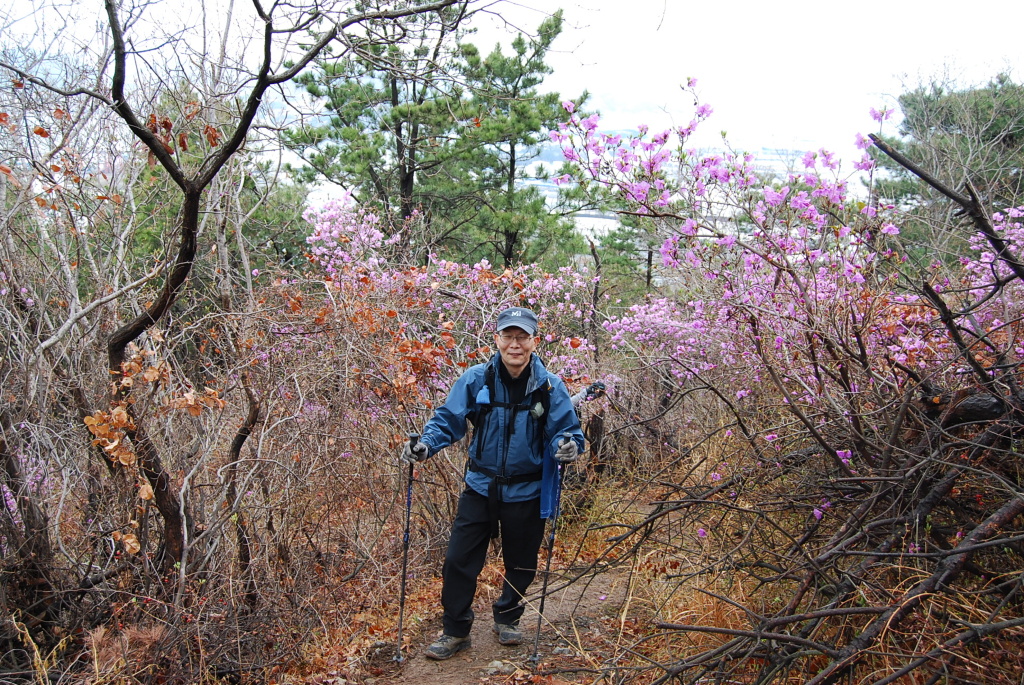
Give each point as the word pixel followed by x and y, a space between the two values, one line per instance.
pixel 790 74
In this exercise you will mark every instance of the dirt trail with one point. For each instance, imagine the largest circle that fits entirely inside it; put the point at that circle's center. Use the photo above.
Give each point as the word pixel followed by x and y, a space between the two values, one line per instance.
pixel 573 614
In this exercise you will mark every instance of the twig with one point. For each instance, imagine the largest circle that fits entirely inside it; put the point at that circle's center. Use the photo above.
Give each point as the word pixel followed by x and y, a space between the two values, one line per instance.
pixel 756 634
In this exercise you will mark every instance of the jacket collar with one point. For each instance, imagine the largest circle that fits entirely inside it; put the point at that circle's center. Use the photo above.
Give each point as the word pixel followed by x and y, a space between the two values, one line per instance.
pixel 538 373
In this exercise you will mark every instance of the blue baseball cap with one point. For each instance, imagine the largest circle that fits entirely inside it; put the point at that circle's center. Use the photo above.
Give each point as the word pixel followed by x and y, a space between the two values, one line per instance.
pixel 518 317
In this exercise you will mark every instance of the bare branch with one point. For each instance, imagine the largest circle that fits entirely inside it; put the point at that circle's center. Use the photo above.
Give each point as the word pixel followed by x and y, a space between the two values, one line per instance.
pixel 42 83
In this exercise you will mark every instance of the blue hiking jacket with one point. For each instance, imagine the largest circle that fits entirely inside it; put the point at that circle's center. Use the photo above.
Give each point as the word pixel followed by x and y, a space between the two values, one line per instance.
pixel 505 450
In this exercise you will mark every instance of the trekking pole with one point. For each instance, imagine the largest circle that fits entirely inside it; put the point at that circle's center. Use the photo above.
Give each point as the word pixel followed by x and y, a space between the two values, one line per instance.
pixel 413 439
pixel 535 658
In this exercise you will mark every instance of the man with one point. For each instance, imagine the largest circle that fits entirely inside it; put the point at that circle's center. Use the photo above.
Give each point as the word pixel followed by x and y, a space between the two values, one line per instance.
pixel 519 412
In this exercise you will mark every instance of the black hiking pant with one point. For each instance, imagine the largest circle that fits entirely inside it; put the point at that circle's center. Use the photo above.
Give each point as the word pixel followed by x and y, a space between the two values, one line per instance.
pixel 522 531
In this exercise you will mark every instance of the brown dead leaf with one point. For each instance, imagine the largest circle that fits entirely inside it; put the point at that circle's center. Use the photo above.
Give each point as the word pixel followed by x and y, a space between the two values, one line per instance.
pixel 131 544
pixel 212 135
pixel 119 417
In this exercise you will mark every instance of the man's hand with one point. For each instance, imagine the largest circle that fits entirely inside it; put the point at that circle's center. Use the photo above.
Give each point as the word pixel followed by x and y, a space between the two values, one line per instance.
pixel 567 452
pixel 414 453
pixel 595 390
pixel 588 394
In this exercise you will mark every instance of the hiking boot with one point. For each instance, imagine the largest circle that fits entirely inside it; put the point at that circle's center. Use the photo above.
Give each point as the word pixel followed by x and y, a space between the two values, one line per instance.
pixel 446 646
pixel 508 633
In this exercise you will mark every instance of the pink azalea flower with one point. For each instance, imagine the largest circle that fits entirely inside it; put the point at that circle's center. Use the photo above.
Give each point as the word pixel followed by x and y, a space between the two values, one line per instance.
pixel 775 198
pixel 880 116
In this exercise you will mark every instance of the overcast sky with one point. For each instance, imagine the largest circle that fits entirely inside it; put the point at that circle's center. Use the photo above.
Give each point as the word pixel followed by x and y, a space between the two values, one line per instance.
pixel 790 74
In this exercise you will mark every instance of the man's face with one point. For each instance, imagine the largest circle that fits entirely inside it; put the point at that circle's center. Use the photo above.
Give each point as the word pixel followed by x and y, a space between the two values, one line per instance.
pixel 516 346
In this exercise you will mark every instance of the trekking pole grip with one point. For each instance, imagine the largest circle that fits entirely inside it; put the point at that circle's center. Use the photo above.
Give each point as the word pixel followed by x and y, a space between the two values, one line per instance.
pixel 413 439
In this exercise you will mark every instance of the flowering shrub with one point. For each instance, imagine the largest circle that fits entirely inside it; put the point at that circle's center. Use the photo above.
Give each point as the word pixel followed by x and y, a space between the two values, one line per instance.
pixel 346 235
pixel 986 273
pixel 786 315
pixel 790 280
pixel 416 328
